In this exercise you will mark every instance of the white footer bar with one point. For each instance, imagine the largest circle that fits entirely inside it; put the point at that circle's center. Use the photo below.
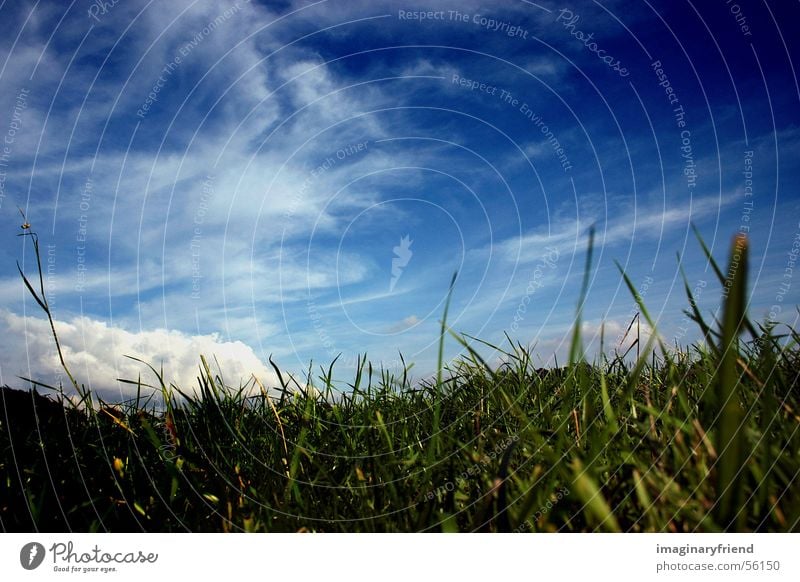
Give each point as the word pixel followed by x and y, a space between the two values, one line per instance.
pixel 418 557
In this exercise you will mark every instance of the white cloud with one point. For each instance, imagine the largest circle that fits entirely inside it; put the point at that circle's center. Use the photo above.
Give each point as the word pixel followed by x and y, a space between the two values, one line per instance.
pixel 95 353
pixel 545 66
pixel 404 324
pixel 569 234
pixel 260 198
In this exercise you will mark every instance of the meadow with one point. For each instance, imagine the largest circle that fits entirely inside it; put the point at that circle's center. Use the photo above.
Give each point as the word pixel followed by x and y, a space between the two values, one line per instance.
pixel 700 438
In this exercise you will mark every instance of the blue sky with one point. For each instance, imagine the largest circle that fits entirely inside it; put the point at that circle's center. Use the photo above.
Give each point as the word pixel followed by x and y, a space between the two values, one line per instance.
pixel 302 179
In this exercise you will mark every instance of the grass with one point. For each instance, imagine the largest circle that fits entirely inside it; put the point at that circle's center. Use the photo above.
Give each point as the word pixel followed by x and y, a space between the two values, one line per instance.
pixel 704 439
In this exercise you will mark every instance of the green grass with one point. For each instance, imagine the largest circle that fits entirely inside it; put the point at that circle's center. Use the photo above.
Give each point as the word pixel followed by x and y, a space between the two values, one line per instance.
pixel 701 440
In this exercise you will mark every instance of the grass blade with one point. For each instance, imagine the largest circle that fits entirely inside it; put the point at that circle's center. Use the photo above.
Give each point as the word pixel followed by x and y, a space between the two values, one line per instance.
pixel 730 435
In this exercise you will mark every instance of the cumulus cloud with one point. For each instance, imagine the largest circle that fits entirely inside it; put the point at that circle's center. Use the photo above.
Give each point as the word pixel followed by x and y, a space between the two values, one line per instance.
pixel 96 354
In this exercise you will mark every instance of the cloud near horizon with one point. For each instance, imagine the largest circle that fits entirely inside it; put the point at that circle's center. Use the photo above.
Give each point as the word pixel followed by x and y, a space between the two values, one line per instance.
pixel 99 355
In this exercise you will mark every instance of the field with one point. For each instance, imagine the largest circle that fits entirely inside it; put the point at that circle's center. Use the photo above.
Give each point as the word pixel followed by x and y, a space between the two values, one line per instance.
pixel 698 439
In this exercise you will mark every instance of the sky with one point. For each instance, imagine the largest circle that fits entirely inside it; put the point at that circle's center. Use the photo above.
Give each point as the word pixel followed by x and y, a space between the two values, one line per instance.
pixel 302 180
